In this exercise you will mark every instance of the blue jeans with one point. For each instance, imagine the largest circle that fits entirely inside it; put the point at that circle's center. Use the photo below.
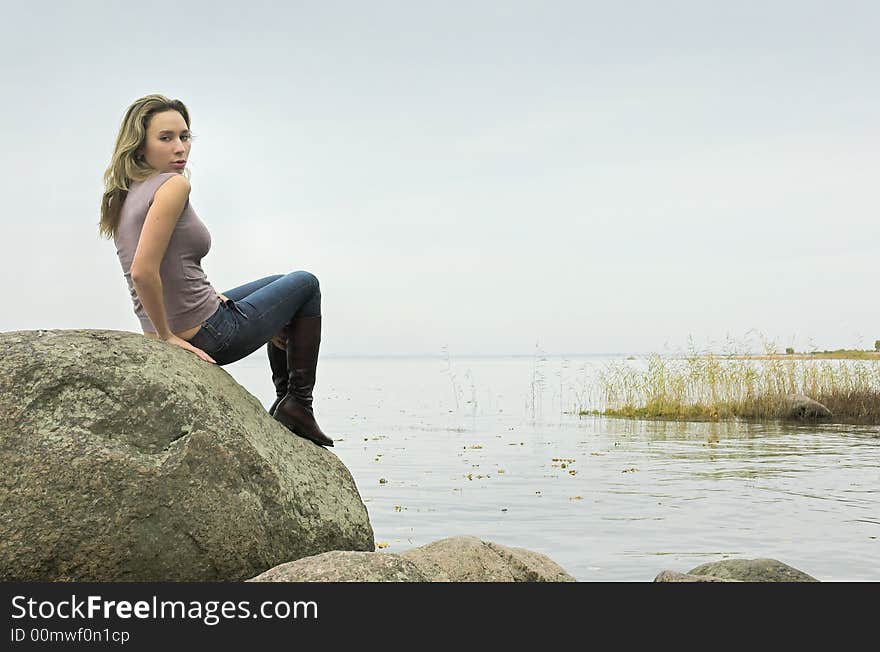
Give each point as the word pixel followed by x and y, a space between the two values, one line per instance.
pixel 255 313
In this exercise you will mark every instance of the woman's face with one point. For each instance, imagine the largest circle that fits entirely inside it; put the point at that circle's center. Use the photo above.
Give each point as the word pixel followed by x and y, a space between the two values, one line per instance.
pixel 167 143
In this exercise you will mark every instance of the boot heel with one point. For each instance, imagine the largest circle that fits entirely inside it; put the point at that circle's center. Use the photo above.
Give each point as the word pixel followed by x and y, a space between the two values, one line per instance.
pixel 300 421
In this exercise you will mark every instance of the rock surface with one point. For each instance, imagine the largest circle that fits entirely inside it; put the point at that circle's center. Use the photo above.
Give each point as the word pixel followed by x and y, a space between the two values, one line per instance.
pixel 469 559
pixel 799 406
pixel 672 576
pixel 752 570
pixel 127 459
pixel 345 567
pixel 457 559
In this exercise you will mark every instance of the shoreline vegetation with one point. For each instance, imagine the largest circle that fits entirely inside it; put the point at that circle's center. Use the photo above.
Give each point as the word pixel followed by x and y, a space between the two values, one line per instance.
pixel 839 354
pixel 701 386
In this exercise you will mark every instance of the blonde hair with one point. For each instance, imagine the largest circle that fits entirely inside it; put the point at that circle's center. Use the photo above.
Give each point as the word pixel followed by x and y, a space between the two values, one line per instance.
pixel 126 166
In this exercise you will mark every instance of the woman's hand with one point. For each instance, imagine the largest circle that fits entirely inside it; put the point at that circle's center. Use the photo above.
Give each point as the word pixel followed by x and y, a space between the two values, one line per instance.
pixel 223 298
pixel 183 344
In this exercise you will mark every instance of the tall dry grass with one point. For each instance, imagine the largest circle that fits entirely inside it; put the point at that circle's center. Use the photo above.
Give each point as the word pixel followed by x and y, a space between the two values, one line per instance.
pixel 710 386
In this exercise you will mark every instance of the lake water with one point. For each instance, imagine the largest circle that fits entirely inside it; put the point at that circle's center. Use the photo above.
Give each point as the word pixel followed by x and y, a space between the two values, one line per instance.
pixel 492 447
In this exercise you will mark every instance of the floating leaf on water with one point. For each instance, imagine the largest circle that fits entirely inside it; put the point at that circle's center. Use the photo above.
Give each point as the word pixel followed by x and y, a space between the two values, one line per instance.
pixel 576 498
pixel 382 480
pixel 572 472
pixel 475 446
pixel 382 544
pixel 500 471
pixel 630 470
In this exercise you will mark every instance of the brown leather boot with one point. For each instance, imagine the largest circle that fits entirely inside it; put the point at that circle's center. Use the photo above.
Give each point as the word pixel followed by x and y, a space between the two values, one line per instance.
pixel 294 410
pixel 278 365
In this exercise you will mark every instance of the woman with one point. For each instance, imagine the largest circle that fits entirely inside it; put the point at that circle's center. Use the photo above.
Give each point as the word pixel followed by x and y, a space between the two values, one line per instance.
pixel 160 242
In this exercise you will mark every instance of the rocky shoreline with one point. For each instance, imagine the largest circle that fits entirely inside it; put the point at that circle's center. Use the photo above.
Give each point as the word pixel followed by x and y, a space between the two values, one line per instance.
pixel 126 459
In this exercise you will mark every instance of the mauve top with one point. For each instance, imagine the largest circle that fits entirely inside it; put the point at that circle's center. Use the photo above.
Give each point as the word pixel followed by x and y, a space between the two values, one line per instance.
pixel 189 297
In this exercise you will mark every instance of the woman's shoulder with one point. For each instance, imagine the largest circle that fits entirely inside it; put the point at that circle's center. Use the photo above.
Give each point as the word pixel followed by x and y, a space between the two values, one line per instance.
pixel 162 177
pixel 155 181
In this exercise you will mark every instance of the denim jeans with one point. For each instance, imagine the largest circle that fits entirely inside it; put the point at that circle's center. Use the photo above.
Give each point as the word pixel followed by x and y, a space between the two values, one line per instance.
pixel 255 313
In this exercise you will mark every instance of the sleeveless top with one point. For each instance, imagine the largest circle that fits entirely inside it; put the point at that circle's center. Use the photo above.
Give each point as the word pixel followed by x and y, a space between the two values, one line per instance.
pixel 189 297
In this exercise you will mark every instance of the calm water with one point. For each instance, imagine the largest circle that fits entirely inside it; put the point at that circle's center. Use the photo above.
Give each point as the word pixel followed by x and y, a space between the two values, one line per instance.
pixel 491 447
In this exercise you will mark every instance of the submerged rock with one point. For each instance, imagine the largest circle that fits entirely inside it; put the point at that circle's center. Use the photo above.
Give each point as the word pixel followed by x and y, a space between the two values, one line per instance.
pixel 752 570
pixel 457 559
pixel 672 576
pixel 799 406
pixel 128 459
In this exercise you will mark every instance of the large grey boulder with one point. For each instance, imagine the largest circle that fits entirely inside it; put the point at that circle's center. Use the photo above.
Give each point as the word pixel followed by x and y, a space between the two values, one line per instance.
pixel 752 570
pixel 126 459
pixel 457 559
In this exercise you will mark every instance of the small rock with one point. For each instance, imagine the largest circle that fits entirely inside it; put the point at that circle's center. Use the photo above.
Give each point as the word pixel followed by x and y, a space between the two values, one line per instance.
pixel 752 570
pixel 672 576
pixel 457 559
pixel 799 406
pixel 469 559
pixel 345 566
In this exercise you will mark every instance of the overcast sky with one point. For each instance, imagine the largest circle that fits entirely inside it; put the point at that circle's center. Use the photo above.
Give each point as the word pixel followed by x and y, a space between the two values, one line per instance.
pixel 482 176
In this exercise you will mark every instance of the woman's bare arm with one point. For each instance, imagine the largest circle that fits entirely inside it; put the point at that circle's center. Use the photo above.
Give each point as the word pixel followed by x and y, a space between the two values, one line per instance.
pixel 149 291
pixel 168 203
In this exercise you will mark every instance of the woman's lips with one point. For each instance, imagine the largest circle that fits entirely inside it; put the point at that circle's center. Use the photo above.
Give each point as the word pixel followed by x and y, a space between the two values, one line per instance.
pixel 179 164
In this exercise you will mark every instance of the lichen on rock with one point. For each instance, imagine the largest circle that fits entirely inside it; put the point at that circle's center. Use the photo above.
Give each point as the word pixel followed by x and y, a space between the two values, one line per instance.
pixel 129 459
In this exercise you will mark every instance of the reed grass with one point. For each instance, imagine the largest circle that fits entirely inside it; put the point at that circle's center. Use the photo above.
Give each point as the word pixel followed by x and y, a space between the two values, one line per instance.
pixel 706 386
